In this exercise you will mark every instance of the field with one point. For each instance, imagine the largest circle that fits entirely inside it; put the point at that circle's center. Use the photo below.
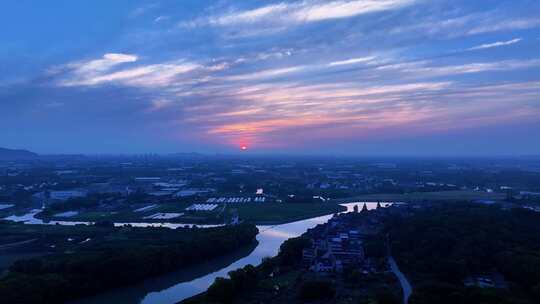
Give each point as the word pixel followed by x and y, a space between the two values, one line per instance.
pixel 431 196
pixel 276 213
pixel 124 215
pixel 257 213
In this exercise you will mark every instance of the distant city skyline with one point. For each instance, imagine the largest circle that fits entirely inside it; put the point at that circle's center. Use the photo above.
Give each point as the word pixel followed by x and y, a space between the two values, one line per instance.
pixel 337 77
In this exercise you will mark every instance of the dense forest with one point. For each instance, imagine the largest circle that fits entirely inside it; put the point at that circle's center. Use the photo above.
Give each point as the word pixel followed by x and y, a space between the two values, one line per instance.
pixel 440 247
pixel 115 257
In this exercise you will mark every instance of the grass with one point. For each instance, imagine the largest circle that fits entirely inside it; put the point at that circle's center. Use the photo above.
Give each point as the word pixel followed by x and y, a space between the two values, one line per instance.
pixel 432 196
pixel 124 215
pixel 276 213
pixel 6 259
pixel 258 213
pixel 287 279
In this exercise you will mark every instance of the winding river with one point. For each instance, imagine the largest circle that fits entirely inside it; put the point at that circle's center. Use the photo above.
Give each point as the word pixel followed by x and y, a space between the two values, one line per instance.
pixel 174 287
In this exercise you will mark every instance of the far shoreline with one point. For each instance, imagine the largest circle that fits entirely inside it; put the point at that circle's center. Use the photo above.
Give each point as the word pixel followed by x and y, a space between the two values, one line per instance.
pixel 258 217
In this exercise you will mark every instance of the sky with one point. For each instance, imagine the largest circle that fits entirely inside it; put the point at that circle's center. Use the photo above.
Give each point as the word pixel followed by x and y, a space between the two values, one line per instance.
pixel 340 77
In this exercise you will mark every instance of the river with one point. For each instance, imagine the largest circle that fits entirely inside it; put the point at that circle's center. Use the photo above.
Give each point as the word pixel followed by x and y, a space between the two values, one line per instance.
pixel 178 286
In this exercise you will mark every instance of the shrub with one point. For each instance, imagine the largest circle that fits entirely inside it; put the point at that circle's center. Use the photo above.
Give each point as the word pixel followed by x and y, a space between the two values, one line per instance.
pixel 222 290
pixel 317 290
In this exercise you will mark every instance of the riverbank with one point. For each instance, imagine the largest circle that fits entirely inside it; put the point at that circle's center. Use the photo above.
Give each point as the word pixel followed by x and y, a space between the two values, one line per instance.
pixel 441 196
pixel 269 239
pixel 280 213
pixel 134 293
pixel 291 277
pixel 86 259
pixel 255 213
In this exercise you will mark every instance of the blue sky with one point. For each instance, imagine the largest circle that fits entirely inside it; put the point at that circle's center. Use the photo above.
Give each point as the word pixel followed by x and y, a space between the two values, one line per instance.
pixel 362 77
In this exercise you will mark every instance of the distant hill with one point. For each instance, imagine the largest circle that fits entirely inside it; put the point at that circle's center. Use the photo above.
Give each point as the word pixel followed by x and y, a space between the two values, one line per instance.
pixel 10 154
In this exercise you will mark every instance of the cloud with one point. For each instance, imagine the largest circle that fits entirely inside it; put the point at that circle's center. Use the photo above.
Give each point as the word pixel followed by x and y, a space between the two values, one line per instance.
pixel 263 109
pixel 505 25
pixel 352 61
pixel 326 80
pixel 159 104
pixel 108 71
pixel 265 73
pixel 453 26
pixel 161 19
pixel 107 62
pixel 301 12
pixel 426 69
pixel 495 44
pixel 346 9
pixel 271 114
pixel 145 76
pixel 249 16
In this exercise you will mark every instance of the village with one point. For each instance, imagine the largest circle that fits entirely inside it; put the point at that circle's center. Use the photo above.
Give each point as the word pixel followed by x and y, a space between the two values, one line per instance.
pixel 339 245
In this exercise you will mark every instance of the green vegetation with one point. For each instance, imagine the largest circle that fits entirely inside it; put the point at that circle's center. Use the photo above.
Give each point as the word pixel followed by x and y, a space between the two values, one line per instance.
pixel 276 213
pixel 257 213
pixel 126 214
pixel 441 246
pixel 283 279
pixel 426 196
pixel 316 290
pixel 84 260
pixel 255 282
pixel 224 290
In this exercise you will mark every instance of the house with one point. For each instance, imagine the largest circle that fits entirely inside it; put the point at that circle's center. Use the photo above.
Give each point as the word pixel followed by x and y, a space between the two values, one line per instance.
pixel 335 246
pixel 323 265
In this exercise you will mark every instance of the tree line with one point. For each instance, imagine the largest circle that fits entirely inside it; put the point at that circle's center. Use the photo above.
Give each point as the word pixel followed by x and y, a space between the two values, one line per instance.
pixel 441 246
pixel 138 253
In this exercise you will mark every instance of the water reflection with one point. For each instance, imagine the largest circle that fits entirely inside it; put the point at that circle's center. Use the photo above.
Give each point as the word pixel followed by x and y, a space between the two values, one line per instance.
pixel 31 219
pixel 270 239
pixel 173 288
pixel 136 293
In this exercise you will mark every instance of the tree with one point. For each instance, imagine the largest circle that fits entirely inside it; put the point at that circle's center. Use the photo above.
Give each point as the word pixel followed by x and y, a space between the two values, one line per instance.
pixel 290 251
pixel 317 290
pixel 222 290
pixel 386 296
pixel 536 292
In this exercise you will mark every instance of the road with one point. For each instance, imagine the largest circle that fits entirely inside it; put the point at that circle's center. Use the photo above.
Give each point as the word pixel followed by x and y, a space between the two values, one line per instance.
pixel 405 285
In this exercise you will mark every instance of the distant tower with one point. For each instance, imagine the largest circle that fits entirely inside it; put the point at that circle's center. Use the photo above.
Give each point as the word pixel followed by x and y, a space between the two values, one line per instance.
pixel 364 208
pixel 355 208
